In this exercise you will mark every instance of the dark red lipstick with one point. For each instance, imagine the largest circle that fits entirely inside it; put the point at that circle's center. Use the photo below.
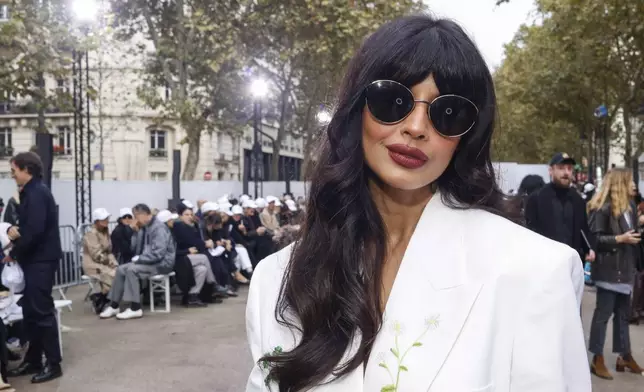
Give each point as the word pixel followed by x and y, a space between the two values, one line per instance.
pixel 407 157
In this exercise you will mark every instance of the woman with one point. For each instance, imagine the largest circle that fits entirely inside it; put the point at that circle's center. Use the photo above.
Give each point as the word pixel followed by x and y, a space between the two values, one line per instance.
pixel 614 222
pixel 98 260
pixel 191 245
pixel 122 236
pixel 477 303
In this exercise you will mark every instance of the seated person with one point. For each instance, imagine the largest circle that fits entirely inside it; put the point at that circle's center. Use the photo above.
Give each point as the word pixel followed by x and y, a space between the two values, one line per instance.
pixel 244 241
pixel 98 261
pixel 155 254
pixel 223 253
pixel 190 244
pixel 122 237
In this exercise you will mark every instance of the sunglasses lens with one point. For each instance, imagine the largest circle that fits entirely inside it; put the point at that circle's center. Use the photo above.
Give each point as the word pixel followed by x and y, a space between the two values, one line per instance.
pixel 452 115
pixel 388 101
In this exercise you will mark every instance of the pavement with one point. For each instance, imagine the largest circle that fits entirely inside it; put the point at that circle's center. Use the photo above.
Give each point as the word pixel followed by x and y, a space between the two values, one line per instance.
pixel 200 350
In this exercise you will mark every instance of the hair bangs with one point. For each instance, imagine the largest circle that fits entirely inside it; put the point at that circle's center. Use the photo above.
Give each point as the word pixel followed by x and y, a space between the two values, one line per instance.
pixel 441 49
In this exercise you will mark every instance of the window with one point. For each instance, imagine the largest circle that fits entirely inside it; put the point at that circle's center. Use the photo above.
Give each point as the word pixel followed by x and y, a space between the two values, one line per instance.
pixel 220 176
pixel 5 138
pixel 62 86
pixel 5 175
pixel 55 174
pixel 64 141
pixel 158 144
pixel 158 176
pixel 4 13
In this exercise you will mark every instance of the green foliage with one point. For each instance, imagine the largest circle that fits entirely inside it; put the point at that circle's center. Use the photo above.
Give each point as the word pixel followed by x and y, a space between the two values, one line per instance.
pixel 303 47
pixel 195 56
pixel 581 55
pixel 36 40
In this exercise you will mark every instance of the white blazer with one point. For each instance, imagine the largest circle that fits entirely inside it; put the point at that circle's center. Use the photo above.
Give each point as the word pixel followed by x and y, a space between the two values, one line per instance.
pixel 479 304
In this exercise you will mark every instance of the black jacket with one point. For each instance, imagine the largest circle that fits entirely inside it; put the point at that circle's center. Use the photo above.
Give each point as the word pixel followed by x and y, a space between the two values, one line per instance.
pixel 616 263
pixel 122 243
pixel 539 216
pixel 11 212
pixel 38 225
pixel 188 236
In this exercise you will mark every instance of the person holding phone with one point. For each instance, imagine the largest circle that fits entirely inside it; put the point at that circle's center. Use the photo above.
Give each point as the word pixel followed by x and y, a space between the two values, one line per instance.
pixel 614 223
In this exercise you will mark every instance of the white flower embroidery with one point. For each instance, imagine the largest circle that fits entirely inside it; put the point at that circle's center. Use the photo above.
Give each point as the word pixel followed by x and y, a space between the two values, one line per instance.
pixel 399 353
pixel 432 322
pixel 397 328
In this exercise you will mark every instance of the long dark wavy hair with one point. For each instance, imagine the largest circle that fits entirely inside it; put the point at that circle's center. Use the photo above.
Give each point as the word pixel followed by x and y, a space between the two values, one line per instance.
pixel 332 286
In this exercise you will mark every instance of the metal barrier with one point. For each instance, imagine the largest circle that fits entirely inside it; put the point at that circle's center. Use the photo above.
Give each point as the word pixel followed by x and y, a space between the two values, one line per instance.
pixel 70 268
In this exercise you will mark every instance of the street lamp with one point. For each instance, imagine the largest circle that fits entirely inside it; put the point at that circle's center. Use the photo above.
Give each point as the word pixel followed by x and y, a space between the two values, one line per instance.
pixel 323 117
pixel 85 13
pixel 258 89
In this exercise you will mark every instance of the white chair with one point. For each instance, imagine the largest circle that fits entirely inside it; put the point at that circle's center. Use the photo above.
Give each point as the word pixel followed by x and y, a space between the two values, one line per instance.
pixel 94 285
pixel 160 284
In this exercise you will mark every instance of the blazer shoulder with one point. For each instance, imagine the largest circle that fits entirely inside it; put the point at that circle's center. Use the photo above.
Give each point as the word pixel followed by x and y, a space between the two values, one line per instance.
pixel 516 247
pixel 270 270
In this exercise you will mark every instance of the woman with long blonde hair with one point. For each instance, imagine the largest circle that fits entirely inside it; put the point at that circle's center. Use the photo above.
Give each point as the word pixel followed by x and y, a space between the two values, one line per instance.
pixel 613 220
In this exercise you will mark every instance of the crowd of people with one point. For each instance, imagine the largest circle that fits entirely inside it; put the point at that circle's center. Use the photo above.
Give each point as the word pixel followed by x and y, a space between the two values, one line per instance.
pixel 212 247
pixel 604 224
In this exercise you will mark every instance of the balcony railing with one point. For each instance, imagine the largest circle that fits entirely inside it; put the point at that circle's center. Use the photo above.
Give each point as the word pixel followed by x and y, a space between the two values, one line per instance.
pixel 6 152
pixel 158 153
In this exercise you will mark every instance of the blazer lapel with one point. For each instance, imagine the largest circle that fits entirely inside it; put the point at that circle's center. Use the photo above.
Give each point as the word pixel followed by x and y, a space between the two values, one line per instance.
pixel 429 304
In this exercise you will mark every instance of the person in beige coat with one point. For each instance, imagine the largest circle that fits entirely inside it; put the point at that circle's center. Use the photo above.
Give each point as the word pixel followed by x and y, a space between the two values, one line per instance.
pixel 98 260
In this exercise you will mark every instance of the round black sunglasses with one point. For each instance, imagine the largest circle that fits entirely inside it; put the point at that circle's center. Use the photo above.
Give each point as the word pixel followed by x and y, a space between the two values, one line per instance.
pixel 391 102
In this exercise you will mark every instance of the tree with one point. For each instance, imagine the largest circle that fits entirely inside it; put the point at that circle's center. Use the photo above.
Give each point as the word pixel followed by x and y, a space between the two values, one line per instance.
pixel 195 57
pixel 303 46
pixel 36 43
pixel 556 73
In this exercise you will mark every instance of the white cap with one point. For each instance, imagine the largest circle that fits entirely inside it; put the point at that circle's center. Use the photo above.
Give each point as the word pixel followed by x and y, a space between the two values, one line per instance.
pixel 188 204
pixel 589 187
pixel 164 216
pixel 278 203
pixel 271 199
pixel 237 210
pixel 226 211
pixel 175 216
pixel 261 203
pixel 291 205
pixel 287 197
pixel 209 206
pixel 244 198
pixel 249 204
pixel 224 202
pixel 125 211
pixel 100 214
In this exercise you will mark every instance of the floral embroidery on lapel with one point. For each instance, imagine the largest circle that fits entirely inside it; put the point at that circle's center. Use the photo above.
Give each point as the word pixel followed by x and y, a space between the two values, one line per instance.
pixel 398 329
pixel 267 366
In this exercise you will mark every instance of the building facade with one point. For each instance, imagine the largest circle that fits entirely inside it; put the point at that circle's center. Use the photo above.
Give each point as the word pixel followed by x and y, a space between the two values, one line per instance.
pixel 128 140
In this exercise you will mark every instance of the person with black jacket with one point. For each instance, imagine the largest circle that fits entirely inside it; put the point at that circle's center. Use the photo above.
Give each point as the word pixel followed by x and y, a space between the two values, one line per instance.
pixel 558 212
pixel 223 253
pixel 192 246
pixel 37 248
pixel 11 211
pixel 122 237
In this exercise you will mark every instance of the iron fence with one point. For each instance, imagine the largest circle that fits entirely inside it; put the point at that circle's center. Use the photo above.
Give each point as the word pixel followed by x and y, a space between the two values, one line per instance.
pixel 70 268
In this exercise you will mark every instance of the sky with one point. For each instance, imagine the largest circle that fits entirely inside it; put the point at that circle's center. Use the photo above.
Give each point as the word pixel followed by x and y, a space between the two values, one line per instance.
pixel 489 25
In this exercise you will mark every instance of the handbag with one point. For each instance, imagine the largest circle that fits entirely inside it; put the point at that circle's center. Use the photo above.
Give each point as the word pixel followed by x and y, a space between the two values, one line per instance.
pixel 13 278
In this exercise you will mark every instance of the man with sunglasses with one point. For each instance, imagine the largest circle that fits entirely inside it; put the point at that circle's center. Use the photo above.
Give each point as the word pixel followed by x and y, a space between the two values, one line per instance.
pixel 558 212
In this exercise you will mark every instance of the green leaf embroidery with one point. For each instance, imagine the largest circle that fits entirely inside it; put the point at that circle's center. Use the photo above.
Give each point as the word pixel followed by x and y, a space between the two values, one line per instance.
pixel 430 324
